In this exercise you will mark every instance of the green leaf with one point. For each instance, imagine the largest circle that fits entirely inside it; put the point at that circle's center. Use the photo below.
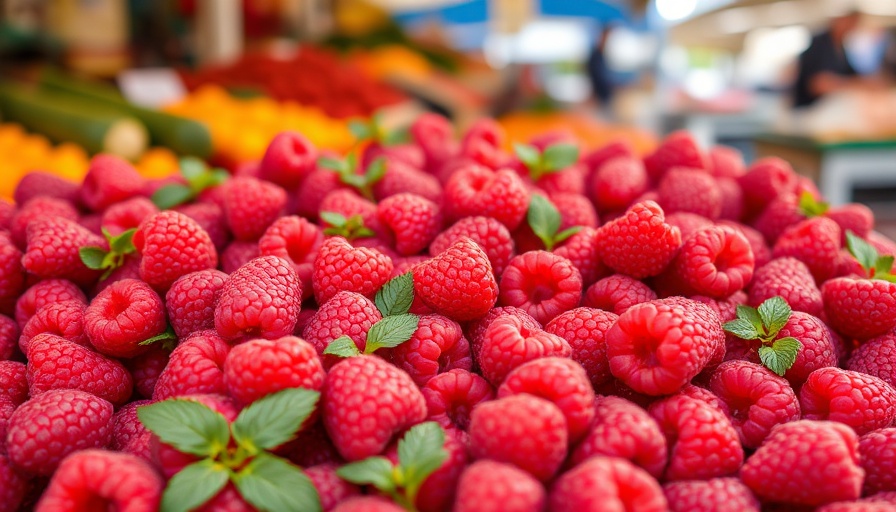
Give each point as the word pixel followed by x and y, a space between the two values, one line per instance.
pixel 810 207
pixel 375 471
pixel 751 315
pixel 334 219
pixel 527 154
pixel 390 332
pixel 93 257
pixel 354 180
pixel 420 452
pixel 544 219
pixel 189 426
pixel 360 130
pixel 742 328
pixel 273 420
pixel 396 296
pixel 171 195
pixel 331 163
pixel 218 176
pixel 342 346
pixel 394 137
pixel 123 243
pixel 566 233
pixel 272 484
pixel 883 266
pixel 774 313
pixel 560 156
pixel 781 355
pixel 375 171
pixel 191 168
pixel 165 336
pixel 194 485
pixel 861 250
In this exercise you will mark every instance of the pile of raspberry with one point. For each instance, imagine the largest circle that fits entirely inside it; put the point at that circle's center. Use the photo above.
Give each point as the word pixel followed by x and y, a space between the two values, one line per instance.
pixel 444 324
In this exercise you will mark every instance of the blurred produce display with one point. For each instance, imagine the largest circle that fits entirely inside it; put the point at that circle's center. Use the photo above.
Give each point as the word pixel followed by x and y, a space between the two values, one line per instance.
pixel 23 151
pixel 590 133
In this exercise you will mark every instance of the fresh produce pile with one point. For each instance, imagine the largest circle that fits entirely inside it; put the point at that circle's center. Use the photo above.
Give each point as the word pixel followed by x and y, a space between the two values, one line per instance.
pixel 439 324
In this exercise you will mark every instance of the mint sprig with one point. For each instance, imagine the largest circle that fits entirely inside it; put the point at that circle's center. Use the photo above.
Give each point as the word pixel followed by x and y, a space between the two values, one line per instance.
pixel 554 158
pixel 198 176
pixel 120 248
pixel 874 265
pixel 349 228
pixel 349 174
pixel 420 452
pixel 763 324
pixel 236 452
pixel 544 219
pixel 811 207
pixel 168 339
pixel 375 130
pixel 396 296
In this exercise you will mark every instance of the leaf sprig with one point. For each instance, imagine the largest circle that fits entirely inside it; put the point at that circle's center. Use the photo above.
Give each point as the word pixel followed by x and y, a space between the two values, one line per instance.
pixel 553 159
pixel 349 228
pixel 120 248
pixel 874 265
pixel 376 131
pixel 198 176
pixel 544 219
pixel 763 324
pixel 347 169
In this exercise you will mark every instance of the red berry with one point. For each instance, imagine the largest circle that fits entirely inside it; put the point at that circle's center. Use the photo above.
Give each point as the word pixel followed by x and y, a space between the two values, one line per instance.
pixel 861 401
pixel 331 489
pixel 684 189
pixel 367 504
pixel 210 217
pixel 726 161
pixel 109 180
pixel 688 223
pixel 15 484
pixel 475 190
pixel 251 205
pixel 191 301
pixel 457 283
pixel 640 243
pixel 876 357
pixel 13 383
pixel 878 458
pixel 126 215
pixel 765 180
pixel 437 346
pixel 35 209
pixel 297 241
pixel 815 242
pixel 64 319
pixel 585 330
pixel 581 250
pixel 451 396
pixel 52 250
pixel 402 178
pixel 194 367
pixel 122 316
pixel 341 267
pixel 678 149
pixel 347 313
pixel 12 274
pixel 605 483
pixel 790 279
pixel 260 367
pixel 262 298
pixel 508 343
pixel 492 236
pixel 617 293
pixel 237 254
pixel 711 495
pixel 817 350
pixel 715 262
pixel 411 221
pixel 46 184
pixel 542 284
pixel 43 293
pixel 127 430
pixel 489 486
pixel 617 182
pixel 287 160
pixel 860 308
pixel 172 245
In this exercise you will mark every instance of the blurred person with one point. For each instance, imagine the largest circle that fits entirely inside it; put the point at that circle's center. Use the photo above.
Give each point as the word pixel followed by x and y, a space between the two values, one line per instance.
pixel 599 73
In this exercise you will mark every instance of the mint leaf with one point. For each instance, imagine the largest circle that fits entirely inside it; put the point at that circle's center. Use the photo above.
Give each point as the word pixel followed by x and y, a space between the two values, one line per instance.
pixel 742 328
pixel 171 195
pixel 375 471
pixel 420 452
pixel 396 296
pixel 273 420
pixel 189 426
pixel 566 233
pixel 375 171
pixel 544 219
pixel 394 137
pixel 273 484
pixel 168 335
pixel 332 164
pixel 861 250
pixel 360 130
pixel 781 355
pixel 811 207
pixel 390 332
pixel 774 313
pixel 560 156
pixel 342 346
pixel 194 485
pixel 527 154
pixel 92 257
pixel 750 315
pixel 192 168
pixel 123 243
pixel 337 220
pixel 883 266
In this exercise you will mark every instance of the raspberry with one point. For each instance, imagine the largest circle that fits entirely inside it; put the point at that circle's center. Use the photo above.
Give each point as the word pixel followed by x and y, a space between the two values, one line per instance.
pixel 36 209
pixel 581 250
pixel 765 180
pixel 126 215
pixel 817 346
pixel 251 205
pixel 64 319
pixel 287 160
pixel 314 188
pixel 109 180
pixel 46 184
pixel 341 267
pixel 52 250
pixel 172 245
pixel 475 190
pixel 15 485
pixel 13 383
pixel 122 316
pixel 615 148
pixel 482 143
pixel 861 401
pixel 401 178
pixel 617 182
pixel 815 242
pixel 725 161
pixel 688 223
pixel 575 210
pixel 412 221
pixel 359 387
pixel 585 330
pixel 347 313
pixel 56 363
pixel 450 397
pixel 541 284
pixel 876 357
pixel 331 489
pixel 492 236
pixel 209 217
pixel 258 368
pixel 878 458
pixel 9 335
pixel 348 203
pixel 755 399
pixel 689 190
pixel 312 446
pixel 367 504
pixel 457 283
pixel 790 279
pixel 12 274
pixel 784 211
pixel 297 241
pixel 191 301
pixel 523 430
pixel 678 149
pixel 617 293
pixel 195 366
pixel 126 426
pixel 761 252
pixel 715 494
pixel 437 346
pixel 261 299
pixel 489 486
pixel 860 308
pixel 624 430
pixel 434 134
pixel 50 426
pixel 732 199
pixel 43 293
pixel 228 499
pixel 604 483
pixel 715 262
pixel 508 343
pixel 657 347
pixel 854 217
pixel 145 369
pixel 237 254
pixel 638 244
pixel 858 506
pixel 806 463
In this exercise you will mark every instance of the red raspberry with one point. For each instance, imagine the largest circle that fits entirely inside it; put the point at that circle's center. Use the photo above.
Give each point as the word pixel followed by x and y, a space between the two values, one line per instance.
pixel 781 213
pixel 238 254
pixel 287 160
pixel 367 504
pixel 348 203
pixel 297 241
pixel 312 446
pixel 358 385
pixel 122 316
pixel 861 401
pixel 109 180
pixel 688 223
pixel 412 221
pixel 732 199
pixel 482 143
pixel 15 485
pixel 314 188
pixel 228 499
pixel 541 284
pixel 39 183
pixel 523 430
pixel 126 427
pixel 258 368
pixel 195 366
pixel 765 180
pixel 715 262
pixel 210 217
pixel 585 330
pixel 126 215
pixel 711 495
pixel 878 459
pixel 755 399
pixel 761 252
pixel 617 183
pixel 617 293
pixel 52 251
pixel 726 161
pixel 489 486
pixel 605 483
pixel 451 396
pixel 790 279
pixel 191 301
pixel 457 283
pixel 575 210
pixel 262 299
pixel 860 308
pixel 50 426
pixel 341 267
pixel 690 190
pixel 401 178
pixel 678 149
pixel 508 343
pixel 615 148
pixel 35 209
pixel 623 430
pixel 854 217
pixel 64 319
pixel 818 346
pixel 657 347
pixel 172 245
pixel 331 489
pixel 492 236
pixel 640 243
pixel 145 369
pixel 12 274
pixel 13 383
pixel 438 345
pixel 858 506
pixel 43 293
pixel 475 190
pixel 347 313
pixel 476 329
pixel 251 205
pixel 9 336
pixel 815 242
pixel 581 250
pixel 56 363
pixel 876 357
pixel 819 459
pixel 434 135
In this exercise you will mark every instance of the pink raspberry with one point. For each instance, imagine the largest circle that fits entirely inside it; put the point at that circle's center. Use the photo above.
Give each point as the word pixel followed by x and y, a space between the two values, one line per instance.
pixel 341 267
pixel 434 134
pixel 412 221
pixel 508 343
pixel 732 199
pixel 52 425
pixel 542 284
pixel 451 396
pixel 623 430
pixel 489 486
pixel 688 223
pixel 122 316
pixel 262 298
pixel 109 180
pixel 172 245
pixel 581 250
pixel 640 243
pixel 876 357
pixel 260 367
pixel 331 489
pixel 605 483
pixel 43 293
pixel 297 241
pixel 475 190
pixel 765 180
pixel 287 160
pixel 715 262
pixel 46 184
pixel 860 308
pixel 726 161
pixel 127 428
pixel 819 458
pixel 492 236
pixel 12 274
pixel 402 178
pixel 482 143
pixel 684 189
pixel 347 313
pixel 191 301
pixel 815 242
pixel 678 149
pixel 36 209
pixel 476 329
pixel 195 366
pixel 126 215
pixel 585 330
pixel 860 401
pixel 52 250
pixel 710 495
pixel 878 458
pixel 617 293
pixel 790 279
pixel 251 205
pixel 210 217
pixel 457 283
pixel 64 319
pixel 617 182
pixel 237 254
pixel 438 345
